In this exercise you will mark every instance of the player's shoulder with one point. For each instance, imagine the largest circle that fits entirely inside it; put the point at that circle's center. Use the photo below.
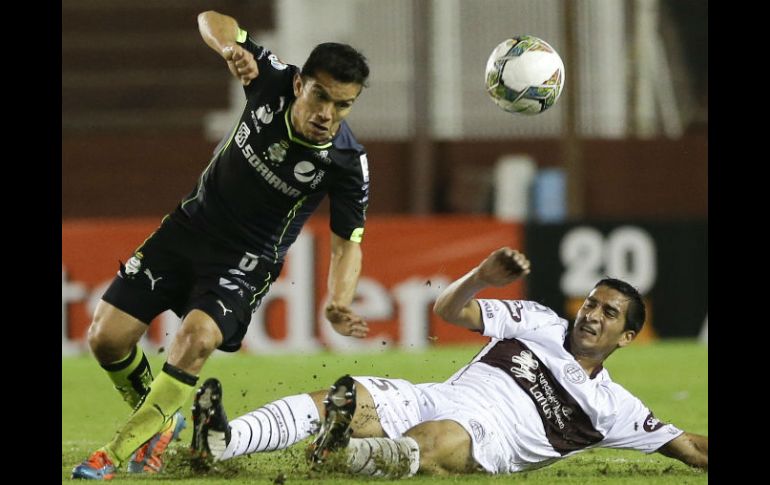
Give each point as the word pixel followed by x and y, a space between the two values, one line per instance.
pixel 346 142
pixel 522 318
pixel 617 390
pixel 269 63
pixel 516 308
pixel 261 52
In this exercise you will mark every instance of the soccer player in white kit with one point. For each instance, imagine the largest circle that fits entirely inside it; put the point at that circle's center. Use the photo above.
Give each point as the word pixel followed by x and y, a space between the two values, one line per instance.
pixel 536 393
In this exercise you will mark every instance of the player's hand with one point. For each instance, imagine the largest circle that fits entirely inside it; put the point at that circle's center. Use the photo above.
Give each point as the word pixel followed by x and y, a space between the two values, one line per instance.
pixel 345 321
pixel 503 266
pixel 241 63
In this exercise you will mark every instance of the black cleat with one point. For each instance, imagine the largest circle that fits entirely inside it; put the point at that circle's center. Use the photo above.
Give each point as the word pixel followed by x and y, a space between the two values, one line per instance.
pixel 211 430
pixel 340 404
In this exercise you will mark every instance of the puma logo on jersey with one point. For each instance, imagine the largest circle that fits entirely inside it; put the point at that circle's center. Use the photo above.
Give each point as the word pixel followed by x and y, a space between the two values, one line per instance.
pixel 224 308
pixel 264 114
pixel 152 280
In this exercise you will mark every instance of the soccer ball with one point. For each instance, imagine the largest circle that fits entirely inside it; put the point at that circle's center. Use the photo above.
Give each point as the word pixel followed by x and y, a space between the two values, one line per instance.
pixel 524 75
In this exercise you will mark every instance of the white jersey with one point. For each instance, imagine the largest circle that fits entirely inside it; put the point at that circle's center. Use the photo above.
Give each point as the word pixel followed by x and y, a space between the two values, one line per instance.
pixel 524 399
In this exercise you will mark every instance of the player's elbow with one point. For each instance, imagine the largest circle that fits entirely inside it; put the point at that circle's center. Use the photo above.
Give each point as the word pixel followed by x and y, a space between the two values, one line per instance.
pixel 690 449
pixel 203 17
pixel 449 313
pixel 441 309
pixel 701 459
pixel 211 18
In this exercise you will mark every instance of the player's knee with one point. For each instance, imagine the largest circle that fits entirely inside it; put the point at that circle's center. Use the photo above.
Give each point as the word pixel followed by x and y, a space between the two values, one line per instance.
pixel 444 447
pixel 425 434
pixel 107 346
pixel 198 338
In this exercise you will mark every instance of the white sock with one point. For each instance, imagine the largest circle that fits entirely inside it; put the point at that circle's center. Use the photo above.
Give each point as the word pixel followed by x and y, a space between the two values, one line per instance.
pixel 274 426
pixel 401 457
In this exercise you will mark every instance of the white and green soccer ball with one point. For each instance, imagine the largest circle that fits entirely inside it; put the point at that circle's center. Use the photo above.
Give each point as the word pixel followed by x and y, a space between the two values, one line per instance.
pixel 525 75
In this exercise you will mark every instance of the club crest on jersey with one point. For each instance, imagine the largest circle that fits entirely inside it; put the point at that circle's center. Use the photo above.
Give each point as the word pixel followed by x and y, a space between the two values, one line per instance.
pixel 478 430
pixel 276 152
pixel 133 265
pixel 574 373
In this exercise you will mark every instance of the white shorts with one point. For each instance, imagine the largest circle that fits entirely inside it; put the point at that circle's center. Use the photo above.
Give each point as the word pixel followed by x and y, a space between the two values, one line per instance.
pixel 402 405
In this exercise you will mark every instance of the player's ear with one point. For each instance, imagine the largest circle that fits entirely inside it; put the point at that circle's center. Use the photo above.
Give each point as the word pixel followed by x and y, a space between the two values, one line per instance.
pixel 626 338
pixel 297 84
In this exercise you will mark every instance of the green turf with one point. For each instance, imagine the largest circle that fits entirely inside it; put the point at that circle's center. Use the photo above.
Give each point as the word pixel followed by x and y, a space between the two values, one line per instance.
pixel 670 377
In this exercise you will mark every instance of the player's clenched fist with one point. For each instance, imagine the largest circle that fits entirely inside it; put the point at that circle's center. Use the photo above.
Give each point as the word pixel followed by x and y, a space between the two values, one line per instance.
pixel 241 63
pixel 503 266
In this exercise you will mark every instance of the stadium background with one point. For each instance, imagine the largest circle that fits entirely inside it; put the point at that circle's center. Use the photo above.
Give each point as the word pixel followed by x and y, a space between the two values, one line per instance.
pixel 612 180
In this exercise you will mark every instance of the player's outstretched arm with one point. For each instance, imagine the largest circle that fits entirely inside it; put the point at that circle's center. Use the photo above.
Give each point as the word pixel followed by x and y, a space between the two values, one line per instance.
pixel 221 33
pixel 455 304
pixel 689 448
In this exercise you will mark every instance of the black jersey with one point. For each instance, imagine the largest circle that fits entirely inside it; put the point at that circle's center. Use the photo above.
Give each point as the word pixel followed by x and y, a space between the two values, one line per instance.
pixel 265 181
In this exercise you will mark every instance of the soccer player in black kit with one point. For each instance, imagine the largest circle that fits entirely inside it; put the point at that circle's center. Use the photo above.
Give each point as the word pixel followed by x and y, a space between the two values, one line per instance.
pixel 214 257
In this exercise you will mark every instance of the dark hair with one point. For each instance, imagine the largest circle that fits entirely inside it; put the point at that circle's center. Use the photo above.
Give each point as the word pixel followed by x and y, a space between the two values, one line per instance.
pixel 636 313
pixel 341 61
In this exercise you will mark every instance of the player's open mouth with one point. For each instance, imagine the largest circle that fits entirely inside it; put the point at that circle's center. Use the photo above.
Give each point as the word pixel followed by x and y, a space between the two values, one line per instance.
pixel 587 330
pixel 319 128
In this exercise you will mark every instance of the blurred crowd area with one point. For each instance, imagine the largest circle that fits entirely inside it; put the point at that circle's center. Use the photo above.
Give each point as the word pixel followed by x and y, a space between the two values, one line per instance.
pixel 145 101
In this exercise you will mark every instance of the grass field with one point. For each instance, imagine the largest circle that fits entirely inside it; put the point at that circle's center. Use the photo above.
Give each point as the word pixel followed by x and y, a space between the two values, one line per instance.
pixel 670 377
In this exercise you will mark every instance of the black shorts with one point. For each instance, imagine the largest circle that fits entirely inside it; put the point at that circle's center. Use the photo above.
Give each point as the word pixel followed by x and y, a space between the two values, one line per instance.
pixel 180 269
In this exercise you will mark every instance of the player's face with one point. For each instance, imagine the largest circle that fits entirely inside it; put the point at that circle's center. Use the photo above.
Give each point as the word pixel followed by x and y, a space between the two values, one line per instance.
pixel 599 325
pixel 322 103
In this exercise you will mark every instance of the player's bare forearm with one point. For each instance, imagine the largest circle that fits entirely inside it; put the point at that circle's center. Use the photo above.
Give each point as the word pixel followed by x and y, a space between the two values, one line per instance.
pixel 344 271
pixel 689 448
pixel 500 268
pixel 455 304
pixel 218 31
